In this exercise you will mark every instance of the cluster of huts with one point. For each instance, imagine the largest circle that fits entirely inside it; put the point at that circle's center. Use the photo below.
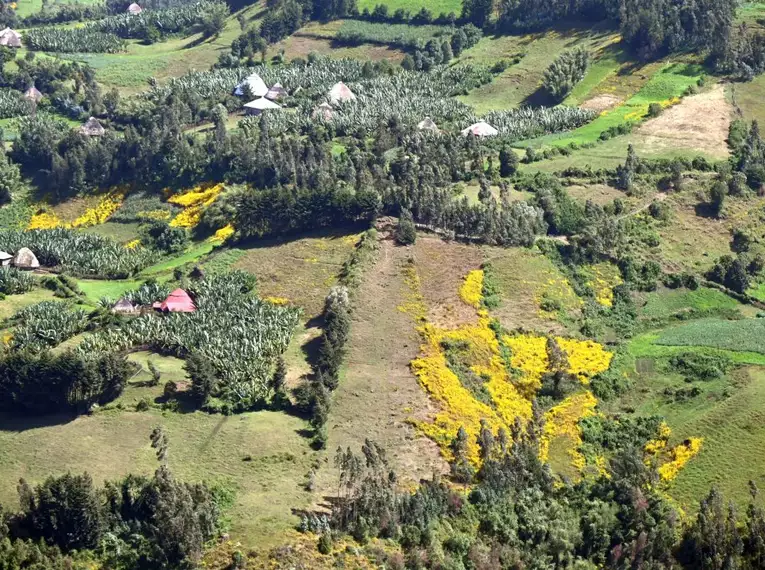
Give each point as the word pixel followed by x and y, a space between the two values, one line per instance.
pixel 91 128
pixel 179 301
pixel 266 99
pixel 24 259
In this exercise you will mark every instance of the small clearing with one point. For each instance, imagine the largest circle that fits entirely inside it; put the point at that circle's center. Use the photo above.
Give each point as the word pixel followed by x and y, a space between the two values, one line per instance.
pixel 378 394
pixel 442 266
pixel 601 103
pixel 700 122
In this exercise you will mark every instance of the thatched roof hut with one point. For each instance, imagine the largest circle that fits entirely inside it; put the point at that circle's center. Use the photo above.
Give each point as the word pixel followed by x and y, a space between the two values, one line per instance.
pixel 124 306
pixel 33 94
pixel 340 93
pixel 257 106
pixel 427 124
pixel 177 302
pixel 256 85
pixel 481 129
pixel 93 128
pixel 25 259
pixel 5 258
pixel 323 112
pixel 276 92
pixel 10 38
pixel 134 9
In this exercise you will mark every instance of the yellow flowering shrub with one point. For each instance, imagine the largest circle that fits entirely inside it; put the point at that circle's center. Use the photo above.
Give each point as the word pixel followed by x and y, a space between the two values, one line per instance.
pixel 471 289
pixel 604 278
pixel 563 421
pixel 586 358
pixel 108 204
pixel 223 234
pixel 679 456
pixel 44 221
pixel 193 202
pixel 133 244
pixel 659 444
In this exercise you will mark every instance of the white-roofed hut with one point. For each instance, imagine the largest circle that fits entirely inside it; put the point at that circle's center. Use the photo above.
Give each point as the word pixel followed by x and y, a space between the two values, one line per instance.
pixel 257 106
pixel 428 124
pixel 481 129
pixel 25 259
pixel 257 87
pixel 340 93
pixel 33 94
pixel 134 9
pixel 93 128
pixel 10 38
pixel 5 259
pixel 276 92
pixel 323 112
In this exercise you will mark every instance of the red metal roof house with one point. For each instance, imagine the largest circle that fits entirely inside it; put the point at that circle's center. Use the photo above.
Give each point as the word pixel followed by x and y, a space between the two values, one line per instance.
pixel 177 302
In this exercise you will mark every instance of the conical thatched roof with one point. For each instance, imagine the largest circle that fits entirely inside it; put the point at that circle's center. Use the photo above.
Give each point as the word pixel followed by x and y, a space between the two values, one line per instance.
pixel 92 128
pixel 323 112
pixel 25 259
pixel 262 104
pixel 340 93
pixel 276 92
pixel 134 9
pixel 427 125
pixel 481 129
pixel 255 83
pixel 33 94
pixel 10 38
pixel 124 306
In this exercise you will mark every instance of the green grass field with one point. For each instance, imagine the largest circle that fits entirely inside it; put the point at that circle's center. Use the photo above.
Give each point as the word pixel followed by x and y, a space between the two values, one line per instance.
pixel 665 303
pixel 435 6
pixel 742 335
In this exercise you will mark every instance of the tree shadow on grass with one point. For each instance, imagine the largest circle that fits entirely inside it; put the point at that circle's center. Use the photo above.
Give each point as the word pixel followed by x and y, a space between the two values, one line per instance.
pixel 19 423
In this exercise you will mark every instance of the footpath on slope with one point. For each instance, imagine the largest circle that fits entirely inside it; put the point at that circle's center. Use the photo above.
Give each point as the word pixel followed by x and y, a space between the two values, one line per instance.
pixel 378 393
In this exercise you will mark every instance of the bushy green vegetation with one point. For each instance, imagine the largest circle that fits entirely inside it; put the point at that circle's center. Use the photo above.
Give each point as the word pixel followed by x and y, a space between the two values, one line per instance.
pixel 12 104
pixel 81 253
pixel 150 24
pixel 400 35
pixel 72 40
pixel 225 317
pixel 14 281
pixel 568 69
pixel 46 325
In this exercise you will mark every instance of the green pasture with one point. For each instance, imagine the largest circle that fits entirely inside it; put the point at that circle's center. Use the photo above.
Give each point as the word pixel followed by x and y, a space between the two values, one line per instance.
pixel 435 6
pixel 670 82
pixel 667 302
pixel 740 335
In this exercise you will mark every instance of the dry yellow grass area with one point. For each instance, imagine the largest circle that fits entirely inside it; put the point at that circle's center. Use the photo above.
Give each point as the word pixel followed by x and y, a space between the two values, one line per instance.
pixel 301 270
pixel 700 122
pixel 442 267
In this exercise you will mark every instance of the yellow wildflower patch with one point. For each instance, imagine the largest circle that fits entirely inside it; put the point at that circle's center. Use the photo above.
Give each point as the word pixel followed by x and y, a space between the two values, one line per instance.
pixel 44 221
pixel 133 244
pixel 471 289
pixel 679 456
pixel 193 202
pixel 223 234
pixel 563 421
pixel 586 358
pixel 658 445
pixel 277 300
pixel 108 204
pixel 604 278
pixel 414 304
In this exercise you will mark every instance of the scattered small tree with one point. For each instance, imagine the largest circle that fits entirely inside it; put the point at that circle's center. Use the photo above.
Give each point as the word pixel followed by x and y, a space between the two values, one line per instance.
pixel 406 233
pixel 508 162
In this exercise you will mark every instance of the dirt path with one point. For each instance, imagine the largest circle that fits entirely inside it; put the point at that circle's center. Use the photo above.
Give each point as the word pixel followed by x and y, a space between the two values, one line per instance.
pixel 377 392
pixel 699 123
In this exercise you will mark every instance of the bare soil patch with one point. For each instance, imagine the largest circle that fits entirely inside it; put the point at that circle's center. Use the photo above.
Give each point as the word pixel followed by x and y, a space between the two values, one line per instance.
pixel 377 392
pixel 601 103
pixel 600 194
pixel 442 267
pixel 700 122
